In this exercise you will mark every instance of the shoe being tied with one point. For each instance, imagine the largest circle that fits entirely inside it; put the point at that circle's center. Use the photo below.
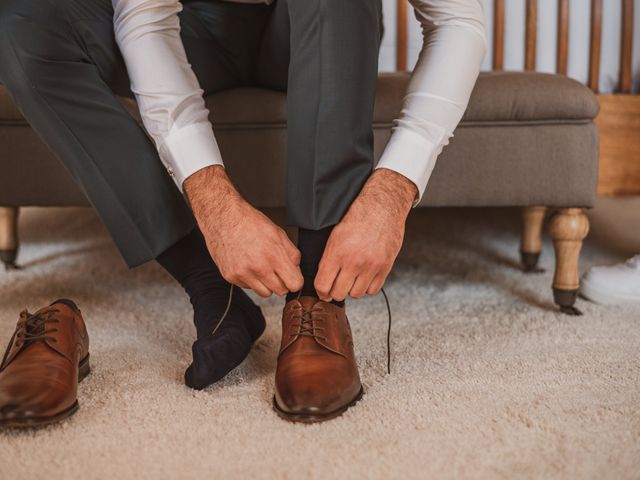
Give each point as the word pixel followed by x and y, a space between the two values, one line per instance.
pixel 46 358
pixel 317 375
pixel 615 284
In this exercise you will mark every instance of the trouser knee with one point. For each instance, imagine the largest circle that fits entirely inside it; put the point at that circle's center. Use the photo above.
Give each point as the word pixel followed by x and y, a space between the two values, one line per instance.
pixel 32 32
pixel 360 15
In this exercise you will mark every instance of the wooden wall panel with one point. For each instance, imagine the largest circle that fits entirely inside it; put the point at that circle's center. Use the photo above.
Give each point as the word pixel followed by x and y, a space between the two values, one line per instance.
pixel 531 35
pixel 595 44
pixel 402 41
pixel 498 34
pixel 626 46
pixel 562 56
pixel 619 123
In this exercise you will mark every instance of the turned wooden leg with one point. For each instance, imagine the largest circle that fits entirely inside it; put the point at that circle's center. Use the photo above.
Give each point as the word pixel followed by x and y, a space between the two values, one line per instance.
pixel 531 239
pixel 9 236
pixel 568 227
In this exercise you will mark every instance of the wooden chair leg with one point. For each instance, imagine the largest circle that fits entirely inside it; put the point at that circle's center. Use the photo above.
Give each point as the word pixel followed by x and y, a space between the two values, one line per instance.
pixel 531 239
pixel 568 227
pixel 9 236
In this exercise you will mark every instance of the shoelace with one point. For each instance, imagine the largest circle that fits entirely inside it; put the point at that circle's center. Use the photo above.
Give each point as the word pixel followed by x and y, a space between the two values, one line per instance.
pixel 306 326
pixel 309 331
pixel 386 300
pixel 226 310
pixel 34 330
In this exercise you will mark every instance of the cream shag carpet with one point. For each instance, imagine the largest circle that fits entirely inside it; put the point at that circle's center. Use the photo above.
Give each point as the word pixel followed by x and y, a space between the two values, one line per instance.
pixel 488 381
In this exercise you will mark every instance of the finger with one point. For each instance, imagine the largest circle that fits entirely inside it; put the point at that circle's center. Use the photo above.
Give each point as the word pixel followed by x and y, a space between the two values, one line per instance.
pixel 343 284
pixel 376 284
pixel 275 284
pixel 235 280
pixel 362 283
pixel 323 283
pixel 257 286
pixel 241 284
pixel 290 274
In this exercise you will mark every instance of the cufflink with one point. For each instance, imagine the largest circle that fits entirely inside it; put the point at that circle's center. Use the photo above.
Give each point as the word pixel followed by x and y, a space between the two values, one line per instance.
pixel 170 170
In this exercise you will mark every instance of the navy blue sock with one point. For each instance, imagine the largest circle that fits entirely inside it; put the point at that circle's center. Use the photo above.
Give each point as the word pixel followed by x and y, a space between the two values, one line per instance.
pixel 311 244
pixel 189 262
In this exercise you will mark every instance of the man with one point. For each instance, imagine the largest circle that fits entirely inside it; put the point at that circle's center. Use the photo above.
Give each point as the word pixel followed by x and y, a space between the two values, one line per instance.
pixel 60 61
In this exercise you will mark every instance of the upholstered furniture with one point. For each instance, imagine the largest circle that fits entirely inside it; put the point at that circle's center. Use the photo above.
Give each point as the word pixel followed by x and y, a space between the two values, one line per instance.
pixel 527 139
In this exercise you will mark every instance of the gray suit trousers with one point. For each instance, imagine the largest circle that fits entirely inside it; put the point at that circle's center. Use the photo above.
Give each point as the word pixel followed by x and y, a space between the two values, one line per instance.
pixel 60 62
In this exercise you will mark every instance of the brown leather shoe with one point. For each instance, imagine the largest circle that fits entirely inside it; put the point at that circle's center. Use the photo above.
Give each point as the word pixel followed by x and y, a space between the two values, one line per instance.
pixel 46 357
pixel 317 376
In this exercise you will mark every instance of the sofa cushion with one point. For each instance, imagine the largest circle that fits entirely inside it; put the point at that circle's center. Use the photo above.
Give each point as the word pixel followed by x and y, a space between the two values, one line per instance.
pixel 503 97
pixel 499 97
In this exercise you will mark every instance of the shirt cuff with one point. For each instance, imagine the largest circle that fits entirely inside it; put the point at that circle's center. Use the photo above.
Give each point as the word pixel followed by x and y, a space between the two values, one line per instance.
pixel 411 155
pixel 189 149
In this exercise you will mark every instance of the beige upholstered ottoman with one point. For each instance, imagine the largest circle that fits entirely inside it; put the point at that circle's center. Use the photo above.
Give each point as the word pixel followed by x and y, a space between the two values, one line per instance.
pixel 527 139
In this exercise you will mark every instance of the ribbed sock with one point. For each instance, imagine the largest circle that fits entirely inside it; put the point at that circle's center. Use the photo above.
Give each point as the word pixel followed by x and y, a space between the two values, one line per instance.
pixel 189 262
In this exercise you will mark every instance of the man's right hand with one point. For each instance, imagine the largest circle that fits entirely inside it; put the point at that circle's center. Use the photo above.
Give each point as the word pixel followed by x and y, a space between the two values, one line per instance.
pixel 248 248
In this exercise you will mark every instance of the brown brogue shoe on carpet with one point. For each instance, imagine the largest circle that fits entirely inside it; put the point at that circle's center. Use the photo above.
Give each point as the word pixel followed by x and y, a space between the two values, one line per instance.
pixel 46 358
pixel 317 376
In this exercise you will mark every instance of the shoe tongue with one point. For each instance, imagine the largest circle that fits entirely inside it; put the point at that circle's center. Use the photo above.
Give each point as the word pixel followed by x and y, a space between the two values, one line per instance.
pixel 308 302
pixel 634 262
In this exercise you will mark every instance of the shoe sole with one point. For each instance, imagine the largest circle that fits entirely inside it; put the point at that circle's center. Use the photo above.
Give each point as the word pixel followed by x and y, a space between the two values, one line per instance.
pixel 84 368
pixel 310 418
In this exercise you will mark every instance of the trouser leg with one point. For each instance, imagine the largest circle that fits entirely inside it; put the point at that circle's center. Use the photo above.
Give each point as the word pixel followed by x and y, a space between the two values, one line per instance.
pixel 331 79
pixel 58 60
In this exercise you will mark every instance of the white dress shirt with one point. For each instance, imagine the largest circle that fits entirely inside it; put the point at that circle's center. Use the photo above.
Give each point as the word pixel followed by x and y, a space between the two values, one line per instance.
pixel 174 113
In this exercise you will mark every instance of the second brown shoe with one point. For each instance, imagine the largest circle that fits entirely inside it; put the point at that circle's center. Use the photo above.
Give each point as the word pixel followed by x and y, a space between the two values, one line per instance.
pixel 46 357
pixel 317 376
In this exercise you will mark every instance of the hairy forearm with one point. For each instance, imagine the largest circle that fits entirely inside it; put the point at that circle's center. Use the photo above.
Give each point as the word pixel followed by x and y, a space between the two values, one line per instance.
pixel 248 248
pixel 210 193
pixel 389 191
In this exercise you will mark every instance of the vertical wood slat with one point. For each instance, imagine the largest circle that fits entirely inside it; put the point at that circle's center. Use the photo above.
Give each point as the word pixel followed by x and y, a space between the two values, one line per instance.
pixel 498 34
pixel 596 41
pixel 626 39
pixel 531 35
pixel 402 42
pixel 562 58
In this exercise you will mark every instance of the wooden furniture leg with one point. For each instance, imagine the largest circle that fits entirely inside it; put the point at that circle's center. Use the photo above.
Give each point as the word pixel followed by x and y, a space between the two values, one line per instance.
pixel 531 239
pixel 9 236
pixel 568 227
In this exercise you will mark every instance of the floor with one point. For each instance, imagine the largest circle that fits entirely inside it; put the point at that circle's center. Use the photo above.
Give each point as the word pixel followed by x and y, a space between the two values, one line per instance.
pixel 488 379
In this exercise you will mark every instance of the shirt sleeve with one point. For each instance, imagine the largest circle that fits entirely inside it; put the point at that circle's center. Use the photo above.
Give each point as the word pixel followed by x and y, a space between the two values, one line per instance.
pixel 169 97
pixel 454 45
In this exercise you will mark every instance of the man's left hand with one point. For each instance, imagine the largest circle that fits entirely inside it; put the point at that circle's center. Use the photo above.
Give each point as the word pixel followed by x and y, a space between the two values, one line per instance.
pixel 363 246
